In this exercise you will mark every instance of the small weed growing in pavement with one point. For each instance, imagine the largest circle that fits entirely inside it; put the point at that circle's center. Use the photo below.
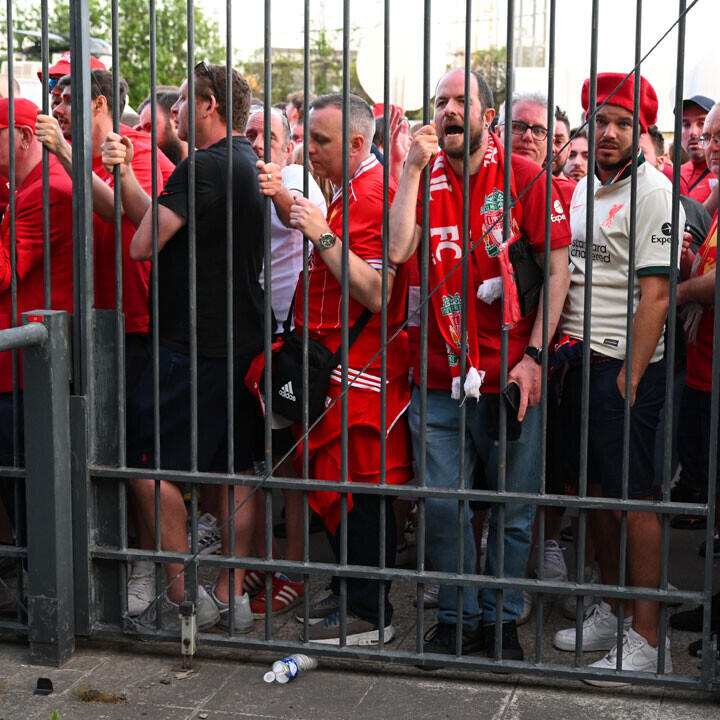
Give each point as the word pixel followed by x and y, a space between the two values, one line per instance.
pixel 93 695
pixel 55 715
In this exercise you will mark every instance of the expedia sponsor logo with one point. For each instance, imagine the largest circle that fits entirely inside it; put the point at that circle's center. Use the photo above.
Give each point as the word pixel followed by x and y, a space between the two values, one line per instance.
pixel 666 228
pixel 559 212
pixel 660 239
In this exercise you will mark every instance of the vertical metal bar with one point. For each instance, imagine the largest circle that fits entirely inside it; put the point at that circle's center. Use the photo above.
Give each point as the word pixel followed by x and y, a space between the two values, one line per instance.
pixel 345 308
pixel 671 324
pixel 499 508
pixel 708 668
pixel 155 290
pixel 622 558
pixel 49 546
pixel 155 275
pixel 13 242
pixel 190 578
pixel 587 306
pixel 119 323
pixel 383 320
pixel 462 506
pixel 269 329
pixel 44 51
pixel 230 307
pixel 305 315
pixel 540 605
pixel 424 284
pixel 84 291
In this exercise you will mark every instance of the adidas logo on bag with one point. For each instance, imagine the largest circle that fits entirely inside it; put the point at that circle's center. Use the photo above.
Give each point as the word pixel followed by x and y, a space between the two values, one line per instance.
pixel 286 391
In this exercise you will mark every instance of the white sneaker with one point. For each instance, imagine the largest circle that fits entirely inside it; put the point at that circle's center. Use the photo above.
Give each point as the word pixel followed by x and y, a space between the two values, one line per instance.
pixel 637 656
pixel 526 609
pixel 599 631
pixel 243 621
pixel 140 587
pixel 554 562
pixel 205 609
pixel 591 575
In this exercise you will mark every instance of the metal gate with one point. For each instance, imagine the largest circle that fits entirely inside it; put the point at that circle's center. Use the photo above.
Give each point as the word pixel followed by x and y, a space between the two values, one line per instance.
pixel 81 509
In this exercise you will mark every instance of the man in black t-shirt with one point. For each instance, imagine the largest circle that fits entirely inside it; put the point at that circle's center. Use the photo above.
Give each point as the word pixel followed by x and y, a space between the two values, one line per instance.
pixel 175 329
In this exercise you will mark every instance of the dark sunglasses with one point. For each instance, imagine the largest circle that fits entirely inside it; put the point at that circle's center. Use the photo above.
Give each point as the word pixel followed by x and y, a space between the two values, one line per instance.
pixel 205 70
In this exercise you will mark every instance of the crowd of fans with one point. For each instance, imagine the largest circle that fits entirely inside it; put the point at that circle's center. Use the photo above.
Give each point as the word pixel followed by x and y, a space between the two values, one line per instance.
pixel 473 381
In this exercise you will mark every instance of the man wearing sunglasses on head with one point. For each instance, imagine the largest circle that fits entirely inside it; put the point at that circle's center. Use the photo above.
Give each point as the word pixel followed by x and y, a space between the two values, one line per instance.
pixel 210 103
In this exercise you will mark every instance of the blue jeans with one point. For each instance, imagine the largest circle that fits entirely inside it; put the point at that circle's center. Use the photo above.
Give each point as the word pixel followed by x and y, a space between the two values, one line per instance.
pixel 481 453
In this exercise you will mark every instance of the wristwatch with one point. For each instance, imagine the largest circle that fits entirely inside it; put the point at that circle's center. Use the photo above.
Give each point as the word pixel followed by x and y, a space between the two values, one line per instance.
pixel 326 241
pixel 535 353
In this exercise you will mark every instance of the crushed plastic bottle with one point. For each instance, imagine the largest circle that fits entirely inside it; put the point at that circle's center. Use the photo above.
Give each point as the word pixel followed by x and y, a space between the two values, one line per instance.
pixel 289 668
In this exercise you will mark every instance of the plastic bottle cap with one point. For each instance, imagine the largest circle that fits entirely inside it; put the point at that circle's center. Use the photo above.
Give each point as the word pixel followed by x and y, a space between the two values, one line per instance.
pixel 269 676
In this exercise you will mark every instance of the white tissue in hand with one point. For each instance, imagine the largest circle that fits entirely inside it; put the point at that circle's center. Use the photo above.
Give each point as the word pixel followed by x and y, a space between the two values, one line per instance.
pixel 490 290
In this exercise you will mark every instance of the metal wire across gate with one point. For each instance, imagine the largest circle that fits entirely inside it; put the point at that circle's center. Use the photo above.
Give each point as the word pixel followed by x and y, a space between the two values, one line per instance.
pixel 80 588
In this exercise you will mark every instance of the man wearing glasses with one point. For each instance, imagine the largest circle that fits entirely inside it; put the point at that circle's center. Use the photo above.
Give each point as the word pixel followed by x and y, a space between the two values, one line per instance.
pixel 174 325
pixel 528 126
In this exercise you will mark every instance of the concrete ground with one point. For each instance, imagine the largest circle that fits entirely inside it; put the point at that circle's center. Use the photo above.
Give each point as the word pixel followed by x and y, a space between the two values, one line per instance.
pixel 130 679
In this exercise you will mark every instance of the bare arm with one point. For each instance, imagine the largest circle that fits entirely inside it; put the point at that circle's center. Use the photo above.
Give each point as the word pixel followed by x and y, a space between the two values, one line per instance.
pixel 404 230
pixel 49 134
pixel 117 151
pixel 648 325
pixel 365 281
pixel 527 373
pixel 169 223
pixel 698 289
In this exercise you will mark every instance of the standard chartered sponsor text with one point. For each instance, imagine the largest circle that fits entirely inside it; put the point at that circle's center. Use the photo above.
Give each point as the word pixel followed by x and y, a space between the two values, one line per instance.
pixel 600 252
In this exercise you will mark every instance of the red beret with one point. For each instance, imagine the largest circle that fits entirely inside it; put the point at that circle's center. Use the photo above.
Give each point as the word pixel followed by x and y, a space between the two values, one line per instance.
pixel 26 113
pixel 608 83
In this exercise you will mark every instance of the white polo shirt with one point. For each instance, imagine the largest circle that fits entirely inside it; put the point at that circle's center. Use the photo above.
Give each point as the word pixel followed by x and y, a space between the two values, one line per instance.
pixel 611 250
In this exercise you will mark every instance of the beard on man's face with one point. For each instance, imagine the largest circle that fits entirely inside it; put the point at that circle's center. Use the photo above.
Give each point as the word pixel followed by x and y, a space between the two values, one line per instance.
pixel 476 139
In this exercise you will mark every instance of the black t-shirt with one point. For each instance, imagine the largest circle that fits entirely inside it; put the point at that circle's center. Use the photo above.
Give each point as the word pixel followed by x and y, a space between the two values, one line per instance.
pixel 211 249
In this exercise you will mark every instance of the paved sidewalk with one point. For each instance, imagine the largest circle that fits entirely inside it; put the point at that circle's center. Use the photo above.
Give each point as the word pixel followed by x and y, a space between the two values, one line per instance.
pixel 146 682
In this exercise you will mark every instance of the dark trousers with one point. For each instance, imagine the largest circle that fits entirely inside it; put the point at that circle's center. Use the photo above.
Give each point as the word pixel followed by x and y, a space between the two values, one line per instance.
pixel 363 548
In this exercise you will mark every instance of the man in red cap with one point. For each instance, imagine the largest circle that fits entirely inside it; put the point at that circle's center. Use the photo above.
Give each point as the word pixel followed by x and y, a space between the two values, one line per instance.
pixel 608 339
pixel 136 276
pixel 62 67
pixel 28 234
pixel 695 172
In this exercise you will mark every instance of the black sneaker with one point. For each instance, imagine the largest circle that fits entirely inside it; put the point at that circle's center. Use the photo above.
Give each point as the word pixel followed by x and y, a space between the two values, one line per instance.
pixel 695 649
pixel 688 522
pixel 511 649
pixel 715 547
pixel 441 639
pixel 692 620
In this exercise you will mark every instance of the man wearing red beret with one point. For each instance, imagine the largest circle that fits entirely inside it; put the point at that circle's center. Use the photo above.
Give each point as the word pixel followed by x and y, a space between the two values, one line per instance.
pixel 608 338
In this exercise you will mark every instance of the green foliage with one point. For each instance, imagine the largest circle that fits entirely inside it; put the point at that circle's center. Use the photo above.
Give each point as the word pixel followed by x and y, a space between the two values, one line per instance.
pixel 491 65
pixel 55 715
pixel 133 37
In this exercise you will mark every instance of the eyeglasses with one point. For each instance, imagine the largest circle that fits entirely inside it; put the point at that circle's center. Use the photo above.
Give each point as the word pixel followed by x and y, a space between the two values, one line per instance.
pixel 706 138
pixel 202 66
pixel 52 82
pixel 518 127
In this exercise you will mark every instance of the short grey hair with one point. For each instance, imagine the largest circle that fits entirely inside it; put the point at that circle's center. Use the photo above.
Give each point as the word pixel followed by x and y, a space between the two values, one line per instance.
pixel 534 98
pixel 361 121
pixel 277 112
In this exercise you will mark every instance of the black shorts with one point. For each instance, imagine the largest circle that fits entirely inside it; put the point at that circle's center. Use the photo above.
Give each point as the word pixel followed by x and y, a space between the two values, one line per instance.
pixel 693 440
pixel 605 437
pixel 212 394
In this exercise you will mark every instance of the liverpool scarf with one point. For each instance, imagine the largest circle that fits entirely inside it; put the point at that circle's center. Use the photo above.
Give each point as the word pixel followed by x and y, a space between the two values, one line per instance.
pixel 446 213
